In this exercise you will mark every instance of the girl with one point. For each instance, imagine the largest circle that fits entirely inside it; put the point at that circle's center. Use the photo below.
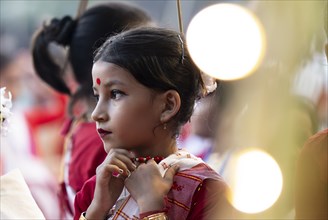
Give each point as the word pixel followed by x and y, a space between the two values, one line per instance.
pixel 146 85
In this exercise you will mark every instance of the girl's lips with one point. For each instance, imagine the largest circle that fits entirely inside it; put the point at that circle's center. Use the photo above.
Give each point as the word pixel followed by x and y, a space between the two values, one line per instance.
pixel 103 132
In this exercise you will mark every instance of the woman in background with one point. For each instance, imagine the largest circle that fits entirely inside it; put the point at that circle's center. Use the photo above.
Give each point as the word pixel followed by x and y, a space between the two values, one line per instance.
pixel 69 72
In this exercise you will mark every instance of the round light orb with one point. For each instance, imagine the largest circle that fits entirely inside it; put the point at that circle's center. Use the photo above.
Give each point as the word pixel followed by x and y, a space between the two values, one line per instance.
pixel 226 41
pixel 257 182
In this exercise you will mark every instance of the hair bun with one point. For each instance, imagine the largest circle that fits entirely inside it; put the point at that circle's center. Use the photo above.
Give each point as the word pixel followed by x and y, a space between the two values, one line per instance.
pixel 60 31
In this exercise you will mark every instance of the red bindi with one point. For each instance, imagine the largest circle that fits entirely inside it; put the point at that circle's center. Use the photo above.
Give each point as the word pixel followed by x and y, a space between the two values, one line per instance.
pixel 98 81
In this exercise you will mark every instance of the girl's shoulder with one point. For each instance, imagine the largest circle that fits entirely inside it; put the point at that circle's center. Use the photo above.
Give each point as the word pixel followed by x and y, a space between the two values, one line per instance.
pixel 190 180
pixel 199 185
pixel 201 172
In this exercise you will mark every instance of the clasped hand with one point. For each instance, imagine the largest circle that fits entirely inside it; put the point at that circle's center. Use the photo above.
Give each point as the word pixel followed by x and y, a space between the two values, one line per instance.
pixel 147 186
pixel 145 183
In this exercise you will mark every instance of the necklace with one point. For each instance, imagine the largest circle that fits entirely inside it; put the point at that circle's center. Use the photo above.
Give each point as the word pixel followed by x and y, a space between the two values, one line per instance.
pixel 157 159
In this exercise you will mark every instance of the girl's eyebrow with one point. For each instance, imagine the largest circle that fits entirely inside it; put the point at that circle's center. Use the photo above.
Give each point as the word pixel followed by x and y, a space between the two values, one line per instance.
pixel 110 83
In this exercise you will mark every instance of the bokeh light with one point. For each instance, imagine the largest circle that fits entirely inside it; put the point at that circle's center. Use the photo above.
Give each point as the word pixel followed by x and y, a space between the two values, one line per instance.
pixel 257 183
pixel 226 41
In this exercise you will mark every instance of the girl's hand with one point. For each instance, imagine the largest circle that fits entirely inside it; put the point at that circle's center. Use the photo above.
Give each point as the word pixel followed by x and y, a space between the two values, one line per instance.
pixel 148 187
pixel 110 182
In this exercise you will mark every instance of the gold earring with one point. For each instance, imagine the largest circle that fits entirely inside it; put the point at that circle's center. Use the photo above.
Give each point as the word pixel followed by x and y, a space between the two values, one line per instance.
pixel 164 126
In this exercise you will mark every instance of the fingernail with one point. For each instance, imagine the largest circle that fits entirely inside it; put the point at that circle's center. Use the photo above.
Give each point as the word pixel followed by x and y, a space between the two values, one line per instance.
pixel 115 174
pixel 128 173
pixel 120 171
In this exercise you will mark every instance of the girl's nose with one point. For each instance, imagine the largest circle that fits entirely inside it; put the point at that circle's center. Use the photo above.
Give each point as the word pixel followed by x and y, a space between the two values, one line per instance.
pixel 99 114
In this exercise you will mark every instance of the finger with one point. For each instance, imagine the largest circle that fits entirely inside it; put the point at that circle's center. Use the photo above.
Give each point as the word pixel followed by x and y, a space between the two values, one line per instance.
pixel 171 172
pixel 121 159
pixel 151 161
pixel 118 173
pixel 118 152
pixel 127 175
pixel 149 165
pixel 109 170
pixel 127 178
pixel 123 169
pixel 128 162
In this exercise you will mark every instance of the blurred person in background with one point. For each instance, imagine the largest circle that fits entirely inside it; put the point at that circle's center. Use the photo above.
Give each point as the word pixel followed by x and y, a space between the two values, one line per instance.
pixel 208 128
pixel 20 146
pixel 311 194
pixel 311 184
pixel 201 129
pixel 44 110
pixel 283 118
pixel 264 111
pixel 224 121
pixel 63 57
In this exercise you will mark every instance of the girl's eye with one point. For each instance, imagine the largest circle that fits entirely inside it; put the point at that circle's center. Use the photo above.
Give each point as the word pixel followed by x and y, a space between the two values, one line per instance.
pixel 116 94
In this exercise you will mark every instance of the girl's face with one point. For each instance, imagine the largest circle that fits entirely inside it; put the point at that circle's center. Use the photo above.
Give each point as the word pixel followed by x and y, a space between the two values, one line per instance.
pixel 127 113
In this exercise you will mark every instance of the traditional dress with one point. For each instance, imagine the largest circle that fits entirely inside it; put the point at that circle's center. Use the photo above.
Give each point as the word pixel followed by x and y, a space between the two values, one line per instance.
pixel 197 192
pixel 83 154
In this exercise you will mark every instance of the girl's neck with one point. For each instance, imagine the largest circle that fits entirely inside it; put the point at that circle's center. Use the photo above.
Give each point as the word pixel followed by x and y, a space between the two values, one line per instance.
pixel 163 149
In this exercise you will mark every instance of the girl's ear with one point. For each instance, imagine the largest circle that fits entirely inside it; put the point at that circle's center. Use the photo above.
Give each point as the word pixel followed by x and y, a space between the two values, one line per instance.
pixel 172 103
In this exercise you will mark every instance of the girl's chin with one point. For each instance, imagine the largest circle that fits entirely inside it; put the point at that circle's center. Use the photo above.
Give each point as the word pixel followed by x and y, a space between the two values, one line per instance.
pixel 111 146
pixel 108 147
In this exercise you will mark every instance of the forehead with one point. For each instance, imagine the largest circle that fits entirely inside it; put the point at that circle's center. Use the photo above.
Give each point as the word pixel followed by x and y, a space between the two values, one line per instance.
pixel 105 75
pixel 104 72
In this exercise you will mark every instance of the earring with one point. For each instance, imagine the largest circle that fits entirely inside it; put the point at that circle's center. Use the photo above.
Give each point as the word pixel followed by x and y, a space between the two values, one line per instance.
pixel 164 126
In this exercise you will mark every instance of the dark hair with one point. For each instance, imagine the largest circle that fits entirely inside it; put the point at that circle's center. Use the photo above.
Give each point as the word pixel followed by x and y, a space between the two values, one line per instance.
pixel 154 56
pixel 83 36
